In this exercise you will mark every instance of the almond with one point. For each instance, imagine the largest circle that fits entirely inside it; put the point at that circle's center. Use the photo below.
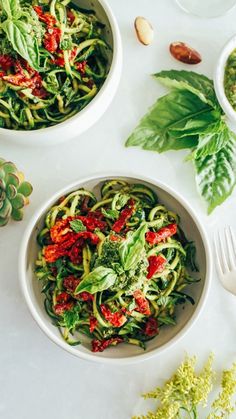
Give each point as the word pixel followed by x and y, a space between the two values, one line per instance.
pixel 184 53
pixel 144 30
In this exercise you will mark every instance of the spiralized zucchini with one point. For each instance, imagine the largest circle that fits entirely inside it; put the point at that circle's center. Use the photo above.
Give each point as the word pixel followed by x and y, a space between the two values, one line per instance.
pixel 54 68
pixel 114 268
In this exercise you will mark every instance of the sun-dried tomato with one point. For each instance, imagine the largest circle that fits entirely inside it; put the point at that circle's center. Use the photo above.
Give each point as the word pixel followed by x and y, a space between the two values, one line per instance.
pixel 85 296
pixel 101 345
pixel 6 62
pixel 70 16
pixel 92 324
pixel 75 253
pixel 2 74
pixel 60 229
pixel 156 264
pixel 40 92
pixel 19 80
pixel 52 39
pixel 125 215
pixel 84 205
pixel 81 67
pixel 63 297
pixel 52 252
pixel 60 308
pixel 161 235
pixel 117 319
pixel 46 18
pixel 92 223
pixel 151 327
pixel 142 304
pixel 70 283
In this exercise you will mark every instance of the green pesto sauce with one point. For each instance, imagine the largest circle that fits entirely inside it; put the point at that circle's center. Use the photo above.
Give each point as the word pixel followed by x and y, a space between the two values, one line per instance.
pixel 230 79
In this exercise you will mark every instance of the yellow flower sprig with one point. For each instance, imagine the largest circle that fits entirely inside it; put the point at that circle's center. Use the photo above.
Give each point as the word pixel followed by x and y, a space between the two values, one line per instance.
pixel 182 395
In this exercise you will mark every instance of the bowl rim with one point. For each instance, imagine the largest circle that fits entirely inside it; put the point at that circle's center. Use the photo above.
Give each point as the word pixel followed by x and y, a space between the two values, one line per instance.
pixel 92 356
pixel 116 58
pixel 218 79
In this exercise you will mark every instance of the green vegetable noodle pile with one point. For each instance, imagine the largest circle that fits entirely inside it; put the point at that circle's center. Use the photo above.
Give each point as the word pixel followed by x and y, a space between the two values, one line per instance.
pixel 190 117
pixel 53 61
pixel 113 269
pixel 230 79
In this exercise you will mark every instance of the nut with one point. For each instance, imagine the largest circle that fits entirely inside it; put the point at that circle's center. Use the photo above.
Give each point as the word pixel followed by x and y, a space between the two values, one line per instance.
pixel 184 53
pixel 144 30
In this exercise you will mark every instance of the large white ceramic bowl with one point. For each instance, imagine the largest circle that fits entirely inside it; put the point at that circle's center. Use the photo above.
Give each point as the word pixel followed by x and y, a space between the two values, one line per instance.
pixel 122 353
pixel 219 81
pixel 84 119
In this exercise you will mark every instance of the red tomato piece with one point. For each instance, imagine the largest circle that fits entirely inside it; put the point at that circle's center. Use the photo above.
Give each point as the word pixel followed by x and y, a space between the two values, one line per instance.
pixel 101 345
pixel 81 67
pixel 125 215
pixel 70 283
pixel 156 264
pixel 52 39
pixel 141 303
pixel 60 308
pixel 60 229
pixel 92 324
pixel 63 297
pixel 151 327
pixel 70 16
pixel 161 235
pixel 52 252
pixel 117 319
pixel 6 62
pixel 85 296
pixel 46 18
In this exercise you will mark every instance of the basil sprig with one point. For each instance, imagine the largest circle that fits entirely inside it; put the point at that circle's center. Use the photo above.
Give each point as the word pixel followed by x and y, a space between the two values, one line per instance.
pixel 132 248
pixel 19 30
pixel 190 117
pixel 100 279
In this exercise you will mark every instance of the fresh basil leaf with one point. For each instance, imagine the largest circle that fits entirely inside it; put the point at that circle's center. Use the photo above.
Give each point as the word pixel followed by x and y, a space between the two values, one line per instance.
pixel 156 131
pixel 216 174
pixel 98 280
pixel 197 125
pixel 198 84
pixel 131 249
pixel 213 140
pixel 77 226
pixel 11 8
pixel 21 36
pixel 110 214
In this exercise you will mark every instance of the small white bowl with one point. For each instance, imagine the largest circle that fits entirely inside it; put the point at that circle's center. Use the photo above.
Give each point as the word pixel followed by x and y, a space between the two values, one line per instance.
pixel 219 80
pixel 84 119
pixel 123 353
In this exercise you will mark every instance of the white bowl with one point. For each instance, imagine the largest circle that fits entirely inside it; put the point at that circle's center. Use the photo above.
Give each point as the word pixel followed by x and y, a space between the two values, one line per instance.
pixel 123 353
pixel 219 80
pixel 84 119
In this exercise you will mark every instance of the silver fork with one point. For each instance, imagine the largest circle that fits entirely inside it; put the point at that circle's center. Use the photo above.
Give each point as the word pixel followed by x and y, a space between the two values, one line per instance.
pixel 225 250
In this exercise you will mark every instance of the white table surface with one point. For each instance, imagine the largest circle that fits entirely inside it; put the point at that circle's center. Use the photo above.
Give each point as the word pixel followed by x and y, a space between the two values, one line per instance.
pixel 38 380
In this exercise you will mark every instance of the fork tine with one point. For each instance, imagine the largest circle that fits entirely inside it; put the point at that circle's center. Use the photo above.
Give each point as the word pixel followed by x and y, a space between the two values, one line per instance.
pixel 230 247
pixel 218 263
pixel 222 258
pixel 233 239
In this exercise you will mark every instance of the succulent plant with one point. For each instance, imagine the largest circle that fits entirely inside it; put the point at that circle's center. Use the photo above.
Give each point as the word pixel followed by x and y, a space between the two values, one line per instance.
pixel 14 191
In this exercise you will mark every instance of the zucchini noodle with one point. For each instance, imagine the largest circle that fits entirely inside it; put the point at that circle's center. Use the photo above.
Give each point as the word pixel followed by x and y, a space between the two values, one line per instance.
pixel 73 63
pixel 113 268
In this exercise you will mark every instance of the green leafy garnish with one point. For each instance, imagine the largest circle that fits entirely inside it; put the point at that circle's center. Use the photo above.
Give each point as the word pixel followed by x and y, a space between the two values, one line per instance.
pixel 77 226
pixel 187 390
pixel 190 117
pixel 131 250
pixel 98 280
